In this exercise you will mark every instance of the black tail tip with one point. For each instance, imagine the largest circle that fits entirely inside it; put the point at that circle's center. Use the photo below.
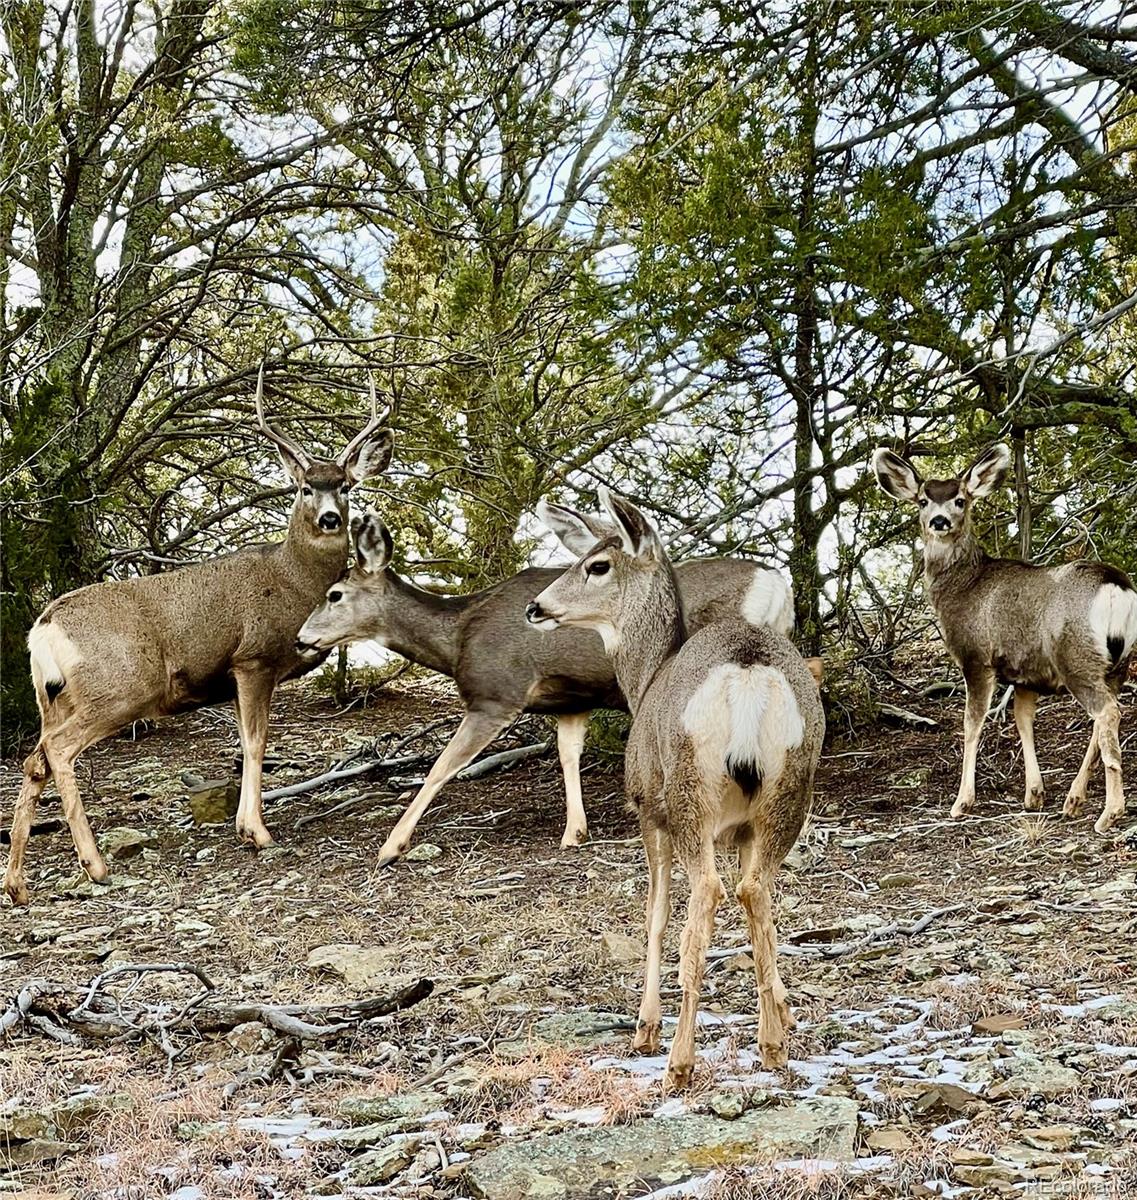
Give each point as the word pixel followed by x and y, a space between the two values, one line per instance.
pixel 745 774
pixel 53 687
pixel 1114 645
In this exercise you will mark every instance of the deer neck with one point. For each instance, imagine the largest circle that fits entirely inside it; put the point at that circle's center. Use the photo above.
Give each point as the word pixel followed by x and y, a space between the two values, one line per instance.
pixel 652 631
pixel 422 626
pixel 945 562
pixel 313 559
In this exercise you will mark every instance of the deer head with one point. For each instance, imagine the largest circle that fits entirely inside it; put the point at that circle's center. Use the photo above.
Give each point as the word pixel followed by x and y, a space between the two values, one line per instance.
pixel 353 607
pixel 944 504
pixel 609 579
pixel 322 485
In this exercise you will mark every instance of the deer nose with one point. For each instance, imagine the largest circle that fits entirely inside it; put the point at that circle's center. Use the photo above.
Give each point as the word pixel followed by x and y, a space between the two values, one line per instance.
pixel 330 521
pixel 940 524
pixel 533 611
pixel 304 649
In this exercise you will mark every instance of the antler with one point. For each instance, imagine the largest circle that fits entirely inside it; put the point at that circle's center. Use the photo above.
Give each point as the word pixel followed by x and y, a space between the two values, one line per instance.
pixel 272 434
pixel 376 421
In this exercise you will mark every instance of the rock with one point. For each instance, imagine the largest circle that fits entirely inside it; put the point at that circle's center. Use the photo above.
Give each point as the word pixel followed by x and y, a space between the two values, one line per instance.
pixel 965 1157
pixel 398 1111
pixel 948 1096
pixel 1029 1075
pixel 730 1105
pixel 607 1159
pixel 1052 1137
pixel 251 1037
pixel 423 852
pixel 360 966
pixel 379 1166
pixel 77 1111
pixel 213 801
pixel 998 1024
pixel 621 948
pixel 898 879
pixel 37 1150
pixel 800 859
pixel 123 842
pixel 890 1139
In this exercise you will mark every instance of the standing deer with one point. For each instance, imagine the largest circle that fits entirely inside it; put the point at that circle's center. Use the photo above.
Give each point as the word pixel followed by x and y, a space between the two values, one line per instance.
pixel 223 629
pixel 1039 628
pixel 726 735
pixel 501 666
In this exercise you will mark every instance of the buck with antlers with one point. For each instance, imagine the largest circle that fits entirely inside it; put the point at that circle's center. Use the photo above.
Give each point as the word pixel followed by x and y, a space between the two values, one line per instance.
pixel 219 630
pixel 726 735
pixel 502 667
pixel 1042 629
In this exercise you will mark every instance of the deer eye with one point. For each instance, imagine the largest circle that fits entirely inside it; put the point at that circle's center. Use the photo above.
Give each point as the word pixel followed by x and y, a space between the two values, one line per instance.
pixel 598 568
pixel 306 491
pixel 922 502
pixel 345 489
pixel 334 596
pixel 959 503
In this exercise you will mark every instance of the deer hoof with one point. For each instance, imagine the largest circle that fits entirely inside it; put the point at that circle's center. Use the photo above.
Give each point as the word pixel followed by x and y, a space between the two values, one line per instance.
pixel 678 1076
pixel 573 838
pixel 96 869
pixel 774 1054
pixel 387 858
pixel 17 891
pixel 960 809
pixel 251 835
pixel 1073 805
pixel 1032 801
pixel 1107 820
pixel 646 1040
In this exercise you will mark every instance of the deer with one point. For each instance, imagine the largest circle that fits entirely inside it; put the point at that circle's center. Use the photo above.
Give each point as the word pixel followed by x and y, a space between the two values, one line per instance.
pixel 727 726
pixel 220 630
pixel 501 666
pixel 1041 629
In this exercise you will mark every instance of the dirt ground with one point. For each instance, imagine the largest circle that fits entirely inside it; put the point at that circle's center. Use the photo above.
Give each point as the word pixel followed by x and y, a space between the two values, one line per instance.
pixel 1038 935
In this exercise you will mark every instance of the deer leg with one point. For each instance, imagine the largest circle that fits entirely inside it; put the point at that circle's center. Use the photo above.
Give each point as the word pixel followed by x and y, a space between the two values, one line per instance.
pixel 657 846
pixel 254 696
pixel 1079 787
pixel 61 759
pixel 979 691
pixel 36 774
pixel 774 1017
pixel 707 894
pixel 475 733
pixel 1108 724
pixel 1026 702
pixel 570 742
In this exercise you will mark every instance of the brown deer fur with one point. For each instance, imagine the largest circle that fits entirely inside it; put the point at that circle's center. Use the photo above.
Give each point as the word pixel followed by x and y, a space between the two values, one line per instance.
pixel 726 735
pixel 225 629
pixel 1043 629
pixel 502 666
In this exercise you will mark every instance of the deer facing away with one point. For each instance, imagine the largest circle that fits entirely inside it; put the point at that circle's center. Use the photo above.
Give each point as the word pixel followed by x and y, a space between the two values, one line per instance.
pixel 224 629
pixel 503 667
pixel 1042 629
pixel 726 735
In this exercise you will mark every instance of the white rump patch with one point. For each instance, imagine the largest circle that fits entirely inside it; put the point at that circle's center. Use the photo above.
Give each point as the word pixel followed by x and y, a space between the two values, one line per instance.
pixel 744 715
pixel 1113 614
pixel 769 601
pixel 54 655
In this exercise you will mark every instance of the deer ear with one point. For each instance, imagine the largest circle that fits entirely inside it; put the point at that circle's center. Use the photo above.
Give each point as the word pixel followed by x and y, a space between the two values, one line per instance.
pixel 988 471
pixel 896 475
pixel 370 458
pixel 373 543
pixel 576 532
pixel 292 465
pixel 636 532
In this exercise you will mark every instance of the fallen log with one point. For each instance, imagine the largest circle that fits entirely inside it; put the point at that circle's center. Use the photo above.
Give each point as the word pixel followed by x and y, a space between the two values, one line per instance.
pixel 75 1016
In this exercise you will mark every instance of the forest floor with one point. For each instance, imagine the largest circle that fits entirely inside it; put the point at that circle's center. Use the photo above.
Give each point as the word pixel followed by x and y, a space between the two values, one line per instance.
pixel 989 1050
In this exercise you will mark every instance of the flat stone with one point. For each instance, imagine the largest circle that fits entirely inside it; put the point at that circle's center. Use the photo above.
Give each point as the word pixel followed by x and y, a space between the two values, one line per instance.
pixel 1029 1075
pixel 423 852
pixel 944 1095
pixel 572 1031
pixel 361 966
pixel 398 1110
pixel 898 879
pixel 379 1166
pixel 622 1160
pixel 999 1023
pixel 213 801
pixel 890 1139
pixel 621 948
pixel 123 842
